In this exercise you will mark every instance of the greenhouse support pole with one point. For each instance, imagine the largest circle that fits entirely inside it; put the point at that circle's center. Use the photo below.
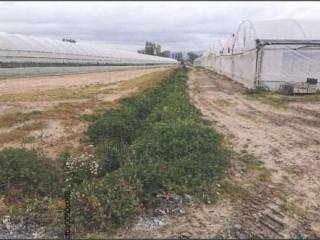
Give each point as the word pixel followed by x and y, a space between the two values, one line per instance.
pixel 258 64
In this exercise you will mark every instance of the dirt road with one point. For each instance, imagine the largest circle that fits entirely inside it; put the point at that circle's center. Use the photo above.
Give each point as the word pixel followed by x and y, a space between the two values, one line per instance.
pixel 274 174
pixel 285 140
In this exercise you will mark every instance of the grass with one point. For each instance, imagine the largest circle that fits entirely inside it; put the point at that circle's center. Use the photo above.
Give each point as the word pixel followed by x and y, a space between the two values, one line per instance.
pixel 256 175
pixel 34 198
pixel 292 208
pixel 230 190
pixel 144 82
pixel 63 111
pixel 26 171
pixel 222 102
pixel 12 118
pixel 72 110
pixel 85 92
pixel 56 94
pixel 256 167
pixel 28 139
pixel 249 116
pixel 13 136
pixel 155 143
pixel 280 101
pixel 256 91
pixel 31 190
pixel 33 126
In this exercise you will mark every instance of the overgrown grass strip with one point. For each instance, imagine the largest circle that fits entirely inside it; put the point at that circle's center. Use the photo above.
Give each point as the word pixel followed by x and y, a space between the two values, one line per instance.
pixel 154 143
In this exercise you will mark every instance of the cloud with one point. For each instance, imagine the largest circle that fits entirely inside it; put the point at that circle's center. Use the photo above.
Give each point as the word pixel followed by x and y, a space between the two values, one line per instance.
pixel 175 25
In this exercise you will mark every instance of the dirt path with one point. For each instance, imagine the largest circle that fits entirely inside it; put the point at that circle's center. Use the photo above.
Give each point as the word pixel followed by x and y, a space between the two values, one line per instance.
pixel 274 174
pixel 286 141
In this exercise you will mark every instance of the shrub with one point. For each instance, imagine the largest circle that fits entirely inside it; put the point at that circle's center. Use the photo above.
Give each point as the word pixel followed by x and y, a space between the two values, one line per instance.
pixel 144 104
pixel 25 173
pixel 178 155
pixel 118 125
pixel 176 105
pixel 156 142
pixel 257 90
pixel 79 168
pixel 111 157
pixel 107 202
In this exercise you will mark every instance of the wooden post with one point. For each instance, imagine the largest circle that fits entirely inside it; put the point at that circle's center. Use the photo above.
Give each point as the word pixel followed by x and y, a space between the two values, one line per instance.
pixel 67 218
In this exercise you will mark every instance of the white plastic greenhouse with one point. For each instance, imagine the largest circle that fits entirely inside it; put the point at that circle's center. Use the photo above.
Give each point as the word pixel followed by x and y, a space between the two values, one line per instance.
pixel 19 51
pixel 269 54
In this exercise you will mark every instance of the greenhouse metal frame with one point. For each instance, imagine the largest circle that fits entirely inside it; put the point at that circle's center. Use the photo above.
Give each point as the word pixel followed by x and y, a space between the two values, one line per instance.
pixel 269 54
pixel 27 52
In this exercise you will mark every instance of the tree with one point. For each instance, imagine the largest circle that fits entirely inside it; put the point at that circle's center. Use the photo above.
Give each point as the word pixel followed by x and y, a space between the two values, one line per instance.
pixel 166 53
pixel 68 40
pixel 177 56
pixel 154 49
pixel 192 56
pixel 158 50
pixel 149 48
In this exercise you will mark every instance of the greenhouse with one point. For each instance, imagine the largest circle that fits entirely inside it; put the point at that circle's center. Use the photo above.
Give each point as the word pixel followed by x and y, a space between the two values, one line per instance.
pixel 23 52
pixel 269 54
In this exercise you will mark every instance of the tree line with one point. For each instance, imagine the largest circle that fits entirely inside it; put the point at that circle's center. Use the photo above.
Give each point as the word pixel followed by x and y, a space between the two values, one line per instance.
pixel 155 50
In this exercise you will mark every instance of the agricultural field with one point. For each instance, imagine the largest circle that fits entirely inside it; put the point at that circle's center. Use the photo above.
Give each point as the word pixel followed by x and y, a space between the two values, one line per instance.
pixel 271 187
pixel 121 150
pixel 158 153
pixel 51 113
pixel 44 118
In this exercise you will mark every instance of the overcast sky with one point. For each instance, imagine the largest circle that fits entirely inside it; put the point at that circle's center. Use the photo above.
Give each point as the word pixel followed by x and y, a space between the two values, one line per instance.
pixel 175 25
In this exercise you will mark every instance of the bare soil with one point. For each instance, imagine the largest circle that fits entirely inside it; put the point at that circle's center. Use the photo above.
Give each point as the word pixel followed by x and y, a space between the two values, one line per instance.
pixel 67 81
pixel 275 170
pixel 38 113
pixel 274 179
pixel 285 140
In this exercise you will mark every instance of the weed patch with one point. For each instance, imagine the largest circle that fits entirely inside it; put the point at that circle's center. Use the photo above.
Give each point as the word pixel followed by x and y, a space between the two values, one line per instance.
pixel 12 118
pixel 280 101
pixel 255 167
pixel 32 189
pixel 155 143
pixel 223 102
pixel 56 94
pixel 12 136
pixel 255 91
pixel 26 173
pixel 292 208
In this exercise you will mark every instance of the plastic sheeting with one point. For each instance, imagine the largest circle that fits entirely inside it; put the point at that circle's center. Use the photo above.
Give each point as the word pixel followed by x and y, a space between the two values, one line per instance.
pixel 270 53
pixel 19 48
pixel 7 73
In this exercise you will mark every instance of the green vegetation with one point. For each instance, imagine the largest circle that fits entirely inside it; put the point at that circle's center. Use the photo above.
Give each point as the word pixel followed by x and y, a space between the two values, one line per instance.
pixel 31 189
pixel 231 190
pixel 223 102
pixel 57 94
pixel 12 118
pixel 26 173
pixel 277 100
pixel 84 92
pixel 255 91
pixel 155 143
pixel 256 167
pixel 292 208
